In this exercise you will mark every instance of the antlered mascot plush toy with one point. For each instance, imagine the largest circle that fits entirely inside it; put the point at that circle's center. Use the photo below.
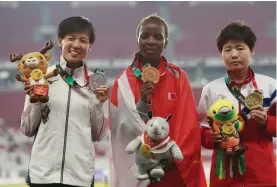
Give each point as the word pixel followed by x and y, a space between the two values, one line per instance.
pixel 33 68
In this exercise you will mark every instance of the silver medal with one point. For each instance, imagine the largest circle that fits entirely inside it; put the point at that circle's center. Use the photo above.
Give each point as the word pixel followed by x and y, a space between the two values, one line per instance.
pixel 97 79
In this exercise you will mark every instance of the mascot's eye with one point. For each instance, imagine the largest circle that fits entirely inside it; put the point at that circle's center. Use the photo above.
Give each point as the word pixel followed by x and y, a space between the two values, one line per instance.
pixel 232 107
pixel 214 112
pixel 23 61
pixel 40 57
pixel 163 128
pixel 151 125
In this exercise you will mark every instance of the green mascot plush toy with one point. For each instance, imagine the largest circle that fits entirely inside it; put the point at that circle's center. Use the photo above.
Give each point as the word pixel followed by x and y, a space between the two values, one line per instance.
pixel 227 123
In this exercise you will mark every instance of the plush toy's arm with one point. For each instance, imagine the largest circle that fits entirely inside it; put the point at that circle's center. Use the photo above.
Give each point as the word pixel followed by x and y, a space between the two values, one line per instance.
pixel 53 73
pixel 176 152
pixel 216 128
pixel 20 78
pixel 239 124
pixel 133 146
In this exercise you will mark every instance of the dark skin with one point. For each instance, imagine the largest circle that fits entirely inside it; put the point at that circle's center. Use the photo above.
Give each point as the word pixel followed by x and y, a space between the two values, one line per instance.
pixel 152 40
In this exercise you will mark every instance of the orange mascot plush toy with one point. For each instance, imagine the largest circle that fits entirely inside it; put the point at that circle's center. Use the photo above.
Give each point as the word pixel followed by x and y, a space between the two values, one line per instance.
pixel 33 68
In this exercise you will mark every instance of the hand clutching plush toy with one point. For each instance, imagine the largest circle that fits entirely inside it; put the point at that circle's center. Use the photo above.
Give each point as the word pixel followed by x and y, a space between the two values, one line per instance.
pixel 33 68
pixel 153 146
pixel 227 123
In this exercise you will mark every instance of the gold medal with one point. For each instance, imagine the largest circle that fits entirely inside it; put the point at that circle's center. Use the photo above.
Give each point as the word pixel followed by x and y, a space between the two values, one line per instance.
pixel 150 74
pixel 36 74
pixel 228 128
pixel 253 99
pixel 146 150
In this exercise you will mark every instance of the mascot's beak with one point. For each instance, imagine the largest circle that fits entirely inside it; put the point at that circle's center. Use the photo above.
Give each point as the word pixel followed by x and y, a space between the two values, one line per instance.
pixel 224 110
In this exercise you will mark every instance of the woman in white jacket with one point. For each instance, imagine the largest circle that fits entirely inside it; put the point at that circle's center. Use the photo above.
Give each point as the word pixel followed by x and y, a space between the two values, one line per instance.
pixel 67 125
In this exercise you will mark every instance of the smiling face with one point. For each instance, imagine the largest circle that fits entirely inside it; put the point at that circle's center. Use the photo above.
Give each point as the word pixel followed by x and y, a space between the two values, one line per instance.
pixel 75 46
pixel 236 55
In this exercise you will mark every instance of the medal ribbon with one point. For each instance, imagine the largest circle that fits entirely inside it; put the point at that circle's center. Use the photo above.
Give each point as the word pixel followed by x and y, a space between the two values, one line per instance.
pixel 70 80
pixel 235 91
pixel 137 71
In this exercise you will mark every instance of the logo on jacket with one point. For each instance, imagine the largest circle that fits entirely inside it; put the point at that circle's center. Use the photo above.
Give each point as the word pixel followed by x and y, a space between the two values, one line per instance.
pixel 172 96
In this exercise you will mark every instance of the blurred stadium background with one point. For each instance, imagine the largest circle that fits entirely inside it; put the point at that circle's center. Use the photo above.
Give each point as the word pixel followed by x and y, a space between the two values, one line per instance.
pixel 193 26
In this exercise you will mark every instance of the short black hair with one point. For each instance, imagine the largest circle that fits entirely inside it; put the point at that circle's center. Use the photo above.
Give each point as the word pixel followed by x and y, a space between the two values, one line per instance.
pixel 236 30
pixel 76 24
pixel 153 18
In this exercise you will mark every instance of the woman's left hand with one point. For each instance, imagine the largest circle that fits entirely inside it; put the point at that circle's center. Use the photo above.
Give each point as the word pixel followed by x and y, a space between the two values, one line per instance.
pixel 102 93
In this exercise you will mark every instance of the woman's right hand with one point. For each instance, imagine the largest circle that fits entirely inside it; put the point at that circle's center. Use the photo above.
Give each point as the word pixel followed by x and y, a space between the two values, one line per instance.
pixel 146 90
pixel 28 88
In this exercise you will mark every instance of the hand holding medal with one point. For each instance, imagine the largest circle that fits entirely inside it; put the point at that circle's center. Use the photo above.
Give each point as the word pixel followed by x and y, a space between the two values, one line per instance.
pixel 254 101
pixel 150 76
pixel 259 114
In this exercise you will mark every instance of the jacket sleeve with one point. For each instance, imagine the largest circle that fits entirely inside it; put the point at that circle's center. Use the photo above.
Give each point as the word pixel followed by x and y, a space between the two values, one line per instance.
pixel 30 117
pixel 271 125
pixel 143 109
pixel 271 113
pixel 98 125
pixel 206 138
pixel 202 110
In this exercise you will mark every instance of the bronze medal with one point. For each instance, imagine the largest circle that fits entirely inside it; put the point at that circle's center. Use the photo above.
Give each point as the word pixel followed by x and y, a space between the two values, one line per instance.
pixel 150 74
pixel 146 150
pixel 253 99
pixel 228 128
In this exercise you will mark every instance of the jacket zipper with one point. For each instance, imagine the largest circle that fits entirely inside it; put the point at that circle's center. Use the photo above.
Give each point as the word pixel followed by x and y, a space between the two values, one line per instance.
pixel 65 133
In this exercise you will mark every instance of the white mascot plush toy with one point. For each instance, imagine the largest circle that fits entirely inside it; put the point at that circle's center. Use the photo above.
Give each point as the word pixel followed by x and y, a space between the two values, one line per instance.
pixel 153 146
